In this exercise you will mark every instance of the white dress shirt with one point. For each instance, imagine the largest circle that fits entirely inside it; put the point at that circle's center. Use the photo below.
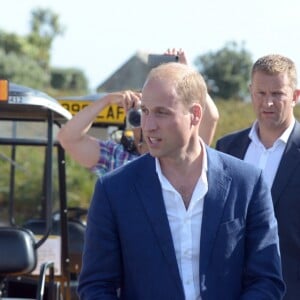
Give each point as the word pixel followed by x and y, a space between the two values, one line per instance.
pixel 267 159
pixel 185 225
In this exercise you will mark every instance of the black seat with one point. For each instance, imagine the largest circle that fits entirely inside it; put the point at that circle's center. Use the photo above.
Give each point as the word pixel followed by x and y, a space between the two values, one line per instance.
pixel 18 256
pixel 76 232
pixel 17 251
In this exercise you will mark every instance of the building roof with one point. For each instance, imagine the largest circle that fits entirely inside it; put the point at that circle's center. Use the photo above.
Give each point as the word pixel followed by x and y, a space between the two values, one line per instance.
pixel 131 75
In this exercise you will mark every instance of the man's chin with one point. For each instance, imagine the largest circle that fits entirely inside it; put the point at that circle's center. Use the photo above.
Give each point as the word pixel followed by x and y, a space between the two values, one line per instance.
pixel 154 153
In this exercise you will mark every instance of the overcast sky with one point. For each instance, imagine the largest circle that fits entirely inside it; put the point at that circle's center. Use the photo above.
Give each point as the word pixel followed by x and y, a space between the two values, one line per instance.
pixel 101 35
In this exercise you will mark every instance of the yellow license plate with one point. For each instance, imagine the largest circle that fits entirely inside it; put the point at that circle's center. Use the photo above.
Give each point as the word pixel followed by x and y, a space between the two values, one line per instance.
pixel 110 115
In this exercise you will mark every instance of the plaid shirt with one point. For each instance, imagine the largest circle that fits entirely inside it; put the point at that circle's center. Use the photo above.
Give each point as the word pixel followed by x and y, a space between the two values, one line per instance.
pixel 112 156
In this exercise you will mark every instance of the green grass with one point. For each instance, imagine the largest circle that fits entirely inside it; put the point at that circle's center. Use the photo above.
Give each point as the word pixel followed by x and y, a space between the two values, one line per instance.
pixel 234 115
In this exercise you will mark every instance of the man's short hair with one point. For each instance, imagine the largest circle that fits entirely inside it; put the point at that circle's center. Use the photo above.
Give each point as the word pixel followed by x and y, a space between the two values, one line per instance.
pixel 274 64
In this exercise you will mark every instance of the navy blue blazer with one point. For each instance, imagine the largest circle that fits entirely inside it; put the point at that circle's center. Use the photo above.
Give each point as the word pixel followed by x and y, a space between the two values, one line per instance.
pixel 286 198
pixel 128 241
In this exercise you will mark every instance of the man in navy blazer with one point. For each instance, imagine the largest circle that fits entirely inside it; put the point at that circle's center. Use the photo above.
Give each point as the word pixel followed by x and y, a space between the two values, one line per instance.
pixel 273 144
pixel 185 221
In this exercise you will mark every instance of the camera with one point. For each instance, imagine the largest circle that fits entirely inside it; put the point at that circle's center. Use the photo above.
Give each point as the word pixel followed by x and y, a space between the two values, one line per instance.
pixel 134 117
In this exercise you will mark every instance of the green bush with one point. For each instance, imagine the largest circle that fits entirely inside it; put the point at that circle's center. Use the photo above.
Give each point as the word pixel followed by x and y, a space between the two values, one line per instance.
pixel 22 70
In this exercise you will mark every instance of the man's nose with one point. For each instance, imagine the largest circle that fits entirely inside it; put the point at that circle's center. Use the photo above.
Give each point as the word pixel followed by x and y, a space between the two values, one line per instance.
pixel 269 100
pixel 148 122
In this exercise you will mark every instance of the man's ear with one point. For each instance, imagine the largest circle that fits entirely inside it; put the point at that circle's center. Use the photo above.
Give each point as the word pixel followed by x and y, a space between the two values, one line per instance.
pixel 196 113
pixel 296 97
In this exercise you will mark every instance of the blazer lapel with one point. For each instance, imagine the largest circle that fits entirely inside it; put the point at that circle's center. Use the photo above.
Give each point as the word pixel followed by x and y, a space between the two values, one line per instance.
pixel 149 188
pixel 290 160
pixel 213 207
pixel 240 146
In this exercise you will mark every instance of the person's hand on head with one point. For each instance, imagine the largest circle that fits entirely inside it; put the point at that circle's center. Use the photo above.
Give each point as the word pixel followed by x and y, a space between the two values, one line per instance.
pixel 180 53
pixel 127 99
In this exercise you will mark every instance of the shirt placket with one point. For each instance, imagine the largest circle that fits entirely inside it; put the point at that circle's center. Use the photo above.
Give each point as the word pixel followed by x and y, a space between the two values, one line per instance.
pixel 186 257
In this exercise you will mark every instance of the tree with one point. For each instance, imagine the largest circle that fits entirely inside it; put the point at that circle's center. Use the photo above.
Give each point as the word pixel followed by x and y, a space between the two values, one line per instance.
pixel 21 69
pixel 13 43
pixel 69 79
pixel 25 59
pixel 226 71
pixel 45 27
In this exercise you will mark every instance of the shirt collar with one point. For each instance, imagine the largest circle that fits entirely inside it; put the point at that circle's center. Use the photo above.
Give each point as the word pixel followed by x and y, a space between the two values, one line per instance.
pixel 165 183
pixel 284 137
